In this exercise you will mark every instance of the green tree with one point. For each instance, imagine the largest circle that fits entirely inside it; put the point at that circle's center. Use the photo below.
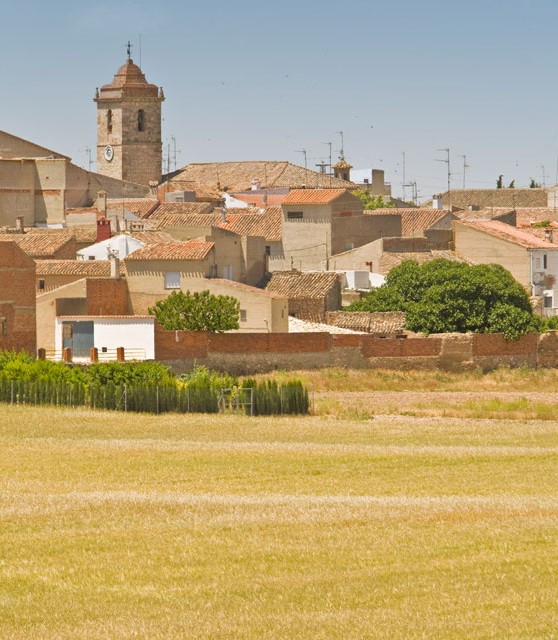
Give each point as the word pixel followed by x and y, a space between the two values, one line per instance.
pixel 448 296
pixel 371 202
pixel 198 311
pixel 512 185
pixel 500 182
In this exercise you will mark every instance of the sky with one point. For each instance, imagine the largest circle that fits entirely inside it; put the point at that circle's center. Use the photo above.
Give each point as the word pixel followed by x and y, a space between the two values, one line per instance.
pixel 245 80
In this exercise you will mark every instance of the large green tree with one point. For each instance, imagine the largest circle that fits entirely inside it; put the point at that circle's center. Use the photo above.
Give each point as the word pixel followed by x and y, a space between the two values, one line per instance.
pixel 198 311
pixel 448 296
pixel 372 202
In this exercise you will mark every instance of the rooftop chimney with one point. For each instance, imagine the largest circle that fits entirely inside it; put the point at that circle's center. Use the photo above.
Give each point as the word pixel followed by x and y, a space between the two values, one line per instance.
pixel 102 202
pixel 20 228
pixel 103 229
pixel 549 235
pixel 114 264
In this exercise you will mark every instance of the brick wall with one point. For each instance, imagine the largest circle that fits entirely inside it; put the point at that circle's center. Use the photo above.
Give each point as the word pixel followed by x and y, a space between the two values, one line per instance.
pixel 107 297
pixel 17 299
pixel 256 353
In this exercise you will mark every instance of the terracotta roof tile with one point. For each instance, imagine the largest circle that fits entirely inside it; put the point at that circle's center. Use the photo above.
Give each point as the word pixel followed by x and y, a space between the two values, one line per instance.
pixel 521 237
pixel 181 208
pixel 40 245
pixel 86 233
pixel 307 285
pixel 268 224
pixel 240 286
pixel 390 259
pixel 85 211
pixel 462 198
pixel 185 220
pixel 238 176
pixel 313 196
pixel 173 251
pixel 141 207
pixel 83 268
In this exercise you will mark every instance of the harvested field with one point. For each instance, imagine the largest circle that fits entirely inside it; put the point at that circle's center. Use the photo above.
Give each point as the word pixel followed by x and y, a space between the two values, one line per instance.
pixel 384 525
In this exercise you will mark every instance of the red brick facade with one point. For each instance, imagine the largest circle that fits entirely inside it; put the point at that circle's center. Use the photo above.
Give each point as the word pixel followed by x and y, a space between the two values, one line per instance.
pixel 17 299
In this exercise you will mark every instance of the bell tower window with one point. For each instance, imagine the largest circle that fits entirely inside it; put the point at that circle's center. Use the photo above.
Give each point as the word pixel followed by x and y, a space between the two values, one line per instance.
pixel 109 121
pixel 141 120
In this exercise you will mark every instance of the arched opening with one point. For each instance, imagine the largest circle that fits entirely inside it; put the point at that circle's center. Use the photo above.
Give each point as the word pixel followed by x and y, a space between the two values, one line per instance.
pixel 141 120
pixel 109 121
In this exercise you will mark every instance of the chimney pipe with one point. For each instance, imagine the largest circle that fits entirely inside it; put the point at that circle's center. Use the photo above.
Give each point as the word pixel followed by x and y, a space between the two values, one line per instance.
pixel 20 228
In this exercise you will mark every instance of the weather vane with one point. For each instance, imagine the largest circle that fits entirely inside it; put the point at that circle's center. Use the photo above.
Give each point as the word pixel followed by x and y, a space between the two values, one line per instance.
pixel 129 50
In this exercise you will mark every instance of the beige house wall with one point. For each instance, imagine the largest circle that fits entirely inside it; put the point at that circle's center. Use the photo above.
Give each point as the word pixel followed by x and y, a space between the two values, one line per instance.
pixel 17 191
pixel 482 248
pixel 70 299
pixel 358 259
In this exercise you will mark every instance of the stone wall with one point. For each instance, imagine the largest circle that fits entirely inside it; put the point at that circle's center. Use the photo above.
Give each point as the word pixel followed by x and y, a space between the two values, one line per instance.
pixel 260 353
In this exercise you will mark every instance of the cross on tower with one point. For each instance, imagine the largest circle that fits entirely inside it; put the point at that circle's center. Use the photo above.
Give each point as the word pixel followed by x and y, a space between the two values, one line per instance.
pixel 129 50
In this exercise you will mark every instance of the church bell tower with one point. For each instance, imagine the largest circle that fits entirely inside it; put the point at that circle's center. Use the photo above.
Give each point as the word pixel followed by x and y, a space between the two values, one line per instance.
pixel 129 126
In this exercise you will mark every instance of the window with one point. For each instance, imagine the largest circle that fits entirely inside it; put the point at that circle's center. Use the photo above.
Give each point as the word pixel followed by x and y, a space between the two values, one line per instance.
pixel 548 302
pixel 544 261
pixel 228 272
pixel 3 327
pixel 109 121
pixel 295 215
pixel 267 250
pixel 243 315
pixel 141 120
pixel 41 285
pixel 172 280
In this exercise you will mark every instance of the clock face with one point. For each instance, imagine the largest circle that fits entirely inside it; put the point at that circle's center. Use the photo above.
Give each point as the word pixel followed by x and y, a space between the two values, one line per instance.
pixel 109 153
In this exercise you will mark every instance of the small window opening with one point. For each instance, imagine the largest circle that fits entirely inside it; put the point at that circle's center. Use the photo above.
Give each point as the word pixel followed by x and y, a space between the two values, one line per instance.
pixel 3 326
pixel 41 284
pixel 109 121
pixel 141 120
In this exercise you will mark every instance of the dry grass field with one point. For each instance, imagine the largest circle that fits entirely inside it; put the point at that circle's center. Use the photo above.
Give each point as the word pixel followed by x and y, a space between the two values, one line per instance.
pixel 401 509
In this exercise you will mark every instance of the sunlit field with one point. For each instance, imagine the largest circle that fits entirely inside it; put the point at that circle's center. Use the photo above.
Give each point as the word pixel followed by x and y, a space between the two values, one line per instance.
pixel 359 523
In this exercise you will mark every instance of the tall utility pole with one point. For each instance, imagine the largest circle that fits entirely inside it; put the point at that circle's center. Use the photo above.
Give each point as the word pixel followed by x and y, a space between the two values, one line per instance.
pixel 465 167
pixel 414 190
pixel 447 162
pixel 543 176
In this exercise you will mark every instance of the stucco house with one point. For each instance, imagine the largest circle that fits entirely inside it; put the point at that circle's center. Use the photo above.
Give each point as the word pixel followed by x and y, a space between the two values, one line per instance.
pixel 319 223
pixel 532 261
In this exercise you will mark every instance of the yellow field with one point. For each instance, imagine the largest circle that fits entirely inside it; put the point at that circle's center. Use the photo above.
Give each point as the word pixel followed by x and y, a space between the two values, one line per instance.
pixel 379 526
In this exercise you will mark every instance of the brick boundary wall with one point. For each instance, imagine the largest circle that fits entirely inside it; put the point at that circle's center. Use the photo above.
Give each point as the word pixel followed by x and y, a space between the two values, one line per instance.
pixel 262 352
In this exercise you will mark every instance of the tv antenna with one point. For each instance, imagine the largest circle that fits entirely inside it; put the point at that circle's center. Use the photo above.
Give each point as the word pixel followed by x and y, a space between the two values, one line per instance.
pixel 446 161
pixel 465 167
pixel 342 150
pixel 304 152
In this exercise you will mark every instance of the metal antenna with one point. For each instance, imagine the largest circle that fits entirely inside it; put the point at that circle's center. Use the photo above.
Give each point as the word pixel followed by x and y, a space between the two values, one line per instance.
pixel 140 50
pixel 342 150
pixel 403 185
pixel 465 167
pixel 543 176
pixel 303 151
pixel 447 162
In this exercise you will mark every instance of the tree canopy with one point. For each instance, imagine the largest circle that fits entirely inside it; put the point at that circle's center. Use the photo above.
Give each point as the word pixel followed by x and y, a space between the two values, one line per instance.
pixel 448 296
pixel 372 202
pixel 198 311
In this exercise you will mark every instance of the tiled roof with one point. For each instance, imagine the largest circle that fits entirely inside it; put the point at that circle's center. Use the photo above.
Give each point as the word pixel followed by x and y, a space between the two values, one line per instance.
pixel 309 285
pixel 186 220
pixel 521 237
pixel 87 233
pixel 261 200
pixel 268 224
pixel 413 221
pixel 375 322
pixel 173 251
pixel 181 208
pixel 40 245
pixel 390 259
pixel 240 286
pixel 483 198
pixel 238 176
pixel 141 207
pixel 313 196
pixel 149 237
pixel 83 268
pixel 129 81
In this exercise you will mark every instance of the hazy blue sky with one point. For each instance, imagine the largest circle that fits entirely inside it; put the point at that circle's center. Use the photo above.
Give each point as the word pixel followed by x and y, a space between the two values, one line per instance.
pixel 250 80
